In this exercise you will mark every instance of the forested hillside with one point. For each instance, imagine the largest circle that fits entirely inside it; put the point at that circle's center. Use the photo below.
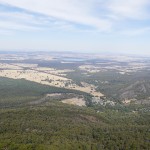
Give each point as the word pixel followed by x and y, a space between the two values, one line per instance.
pixel 53 125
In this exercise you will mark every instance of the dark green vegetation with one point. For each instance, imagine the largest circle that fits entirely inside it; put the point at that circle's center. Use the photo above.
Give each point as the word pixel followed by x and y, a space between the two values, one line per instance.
pixel 21 92
pixel 116 86
pixel 119 87
pixel 56 126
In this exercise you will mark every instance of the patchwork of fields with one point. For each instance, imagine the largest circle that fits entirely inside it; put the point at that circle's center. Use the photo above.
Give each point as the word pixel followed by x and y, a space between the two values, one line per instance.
pixel 55 102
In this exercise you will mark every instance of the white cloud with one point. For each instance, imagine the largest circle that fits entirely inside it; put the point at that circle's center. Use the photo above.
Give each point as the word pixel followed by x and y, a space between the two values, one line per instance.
pixel 134 9
pixel 7 25
pixel 21 21
pixel 102 15
pixel 15 21
pixel 75 11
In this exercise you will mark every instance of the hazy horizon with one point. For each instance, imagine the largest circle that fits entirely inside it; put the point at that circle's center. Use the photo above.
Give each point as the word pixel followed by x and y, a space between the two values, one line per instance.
pixel 104 53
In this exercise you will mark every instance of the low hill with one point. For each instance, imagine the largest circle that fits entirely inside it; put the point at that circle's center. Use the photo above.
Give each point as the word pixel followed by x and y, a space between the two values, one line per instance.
pixel 140 90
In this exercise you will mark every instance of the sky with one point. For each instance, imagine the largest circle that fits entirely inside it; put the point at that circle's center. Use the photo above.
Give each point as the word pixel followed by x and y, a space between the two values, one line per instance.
pixel 111 26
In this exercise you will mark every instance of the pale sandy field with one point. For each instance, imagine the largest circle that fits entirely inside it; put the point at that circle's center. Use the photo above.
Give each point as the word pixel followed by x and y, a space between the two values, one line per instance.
pixel 75 101
pixel 47 76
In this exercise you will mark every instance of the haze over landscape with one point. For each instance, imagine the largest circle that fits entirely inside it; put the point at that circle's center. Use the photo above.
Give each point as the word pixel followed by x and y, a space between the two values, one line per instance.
pixel 74 75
